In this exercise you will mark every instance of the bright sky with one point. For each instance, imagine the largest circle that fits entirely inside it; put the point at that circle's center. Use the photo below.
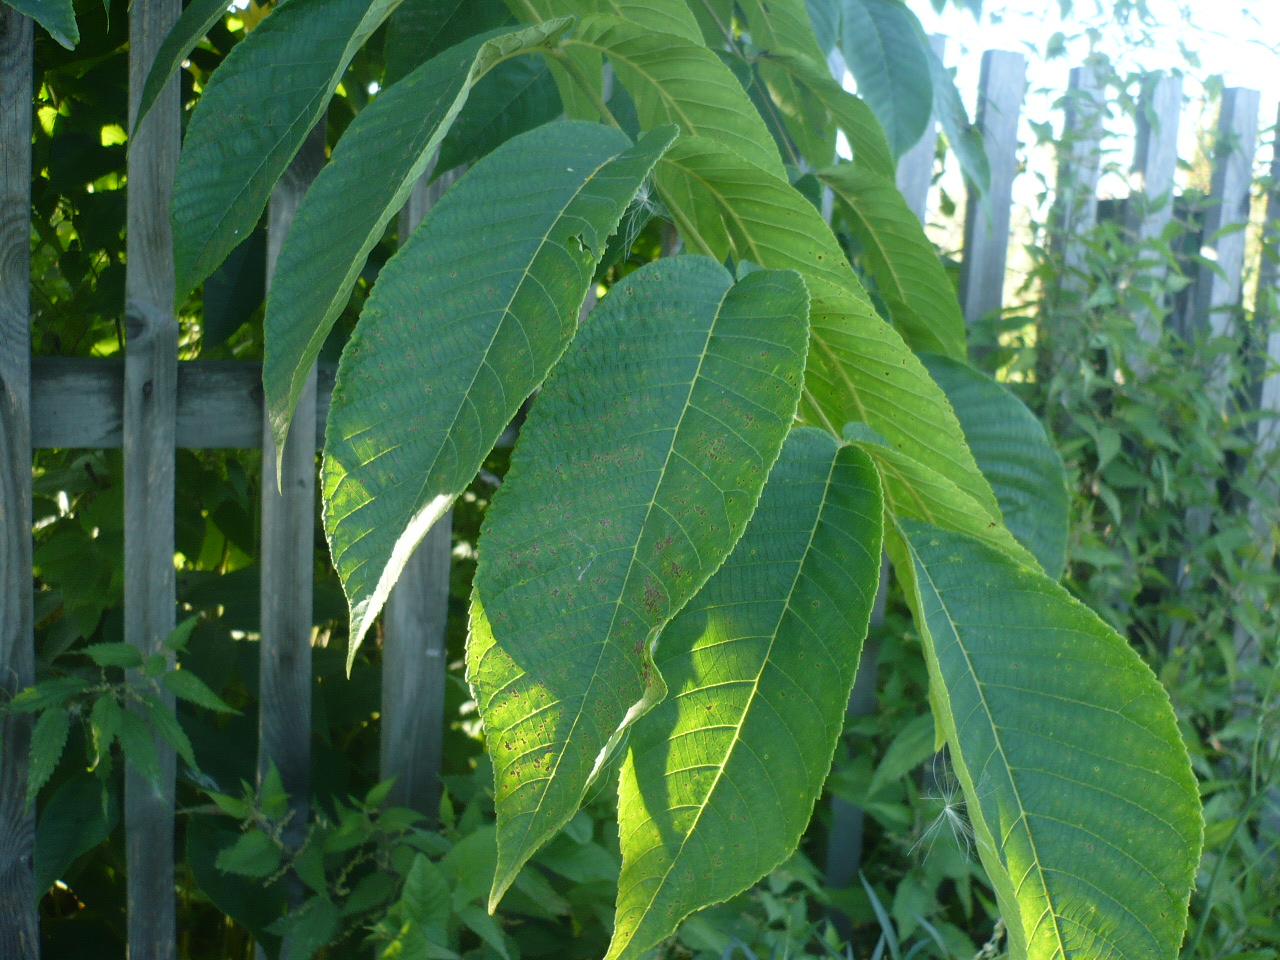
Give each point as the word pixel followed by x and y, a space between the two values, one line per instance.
pixel 1229 36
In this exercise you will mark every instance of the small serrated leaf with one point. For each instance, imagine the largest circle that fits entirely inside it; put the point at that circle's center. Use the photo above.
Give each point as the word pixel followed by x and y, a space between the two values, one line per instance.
pixel 180 635
pixel 48 739
pixel 166 724
pixel 185 685
pixel 139 747
pixel 253 855
pixel 104 723
pixel 114 655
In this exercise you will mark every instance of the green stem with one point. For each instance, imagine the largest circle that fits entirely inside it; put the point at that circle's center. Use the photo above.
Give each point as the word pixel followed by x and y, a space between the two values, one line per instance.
pixel 571 68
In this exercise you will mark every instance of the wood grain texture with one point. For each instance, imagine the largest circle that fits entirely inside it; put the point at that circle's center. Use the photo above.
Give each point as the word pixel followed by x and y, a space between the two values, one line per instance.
pixel 915 167
pixel 19 924
pixel 414 652
pixel 288 546
pixel 149 403
pixel 1001 87
pixel 1155 162
pixel 78 402
pixel 1217 291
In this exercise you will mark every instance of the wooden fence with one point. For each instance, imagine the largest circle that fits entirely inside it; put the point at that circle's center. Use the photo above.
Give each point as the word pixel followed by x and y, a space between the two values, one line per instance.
pixel 149 404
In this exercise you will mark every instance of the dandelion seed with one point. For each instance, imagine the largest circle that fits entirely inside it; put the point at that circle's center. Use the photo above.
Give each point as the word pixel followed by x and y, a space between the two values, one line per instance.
pixel 952 814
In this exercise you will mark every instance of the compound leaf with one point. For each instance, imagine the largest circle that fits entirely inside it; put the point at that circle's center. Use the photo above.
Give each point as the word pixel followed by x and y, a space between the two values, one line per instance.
pixel 463 324
pixel 635 474
pixel 1077 783
pixel 250 120
pixel 720 778
pixel 373 169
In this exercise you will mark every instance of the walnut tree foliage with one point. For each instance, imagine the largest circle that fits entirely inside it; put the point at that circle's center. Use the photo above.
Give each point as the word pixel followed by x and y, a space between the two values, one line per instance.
pixel 676 576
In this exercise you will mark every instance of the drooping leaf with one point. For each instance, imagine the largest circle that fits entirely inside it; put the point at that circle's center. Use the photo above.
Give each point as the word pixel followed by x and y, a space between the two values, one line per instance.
pixel 673 80
pixel 139 746
pixel 235 290
pixel 825 16
pixel 78 817
pixel 512 98
pixel 420 29
pixel 578 72
pixel 364 185
pixel 48 740
pixel 637 470
pixel 197 19
pixel 463 325
pixel 908 273
pixel 849 113
pixel 185 685
pixel 965 138
pixel 165 722
pixel 253 855
pixel 882 44
pixel 859 369
pixel 114 654
pixel 721 777
pixel 715 19
pixel 1015 455
pixel 426 898
pixel 250 120
pixel 784 25
pixel 1077 784
pixel 56 16
pixel 310 928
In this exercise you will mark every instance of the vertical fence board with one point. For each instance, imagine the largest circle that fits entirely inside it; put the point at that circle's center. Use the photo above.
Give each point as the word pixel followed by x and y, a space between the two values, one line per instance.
pixel 19 923
pixel 150 403
pixel 1217 293
pixel 1155 161
pixel 915 167
pixel 1001 88
pixel 414 652
pixel 288 546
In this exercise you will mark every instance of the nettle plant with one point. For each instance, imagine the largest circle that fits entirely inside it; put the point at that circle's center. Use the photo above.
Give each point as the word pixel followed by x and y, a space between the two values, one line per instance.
pixel 676 576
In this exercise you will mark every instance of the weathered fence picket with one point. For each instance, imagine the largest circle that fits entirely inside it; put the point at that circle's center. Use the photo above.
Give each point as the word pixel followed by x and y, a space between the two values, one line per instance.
pixel 414 651
pixel 915 167
pixel 150 400
pixel 19 922
pixel 1001 87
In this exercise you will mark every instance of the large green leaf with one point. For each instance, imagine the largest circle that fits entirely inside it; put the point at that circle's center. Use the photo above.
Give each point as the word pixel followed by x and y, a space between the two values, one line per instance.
pixel 721 777
pixel 1015 455
pixel 56 16
pixel 421 29
pixel 252 117
pixel 463 324
pixel 908 273
pixel 373 169
pixel 636 472
pixel 882 43
pixel 784 25
pixel 197 19
pixel 512 98
pixel 851 114
pixel 674 80
pixel 859 369
pixel 965 137
pixel 1077 784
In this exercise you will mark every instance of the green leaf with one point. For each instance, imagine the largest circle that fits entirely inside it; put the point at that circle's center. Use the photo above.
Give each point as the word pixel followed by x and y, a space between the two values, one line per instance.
pixel 851 114
pixel 73 821
pixel 313 926
pixel 1077 784
pixel 48 740
pixel 139 747
pixel 965 138
pixel 56 16
pixel 784 25
pixel 420 29
pixel 426 898
pixel 1015 455
pixel 364 185
pixel 476 919
pixel 759 668
pixel 882 45
pixel 512 98
pixel 104 724
pixel 180 635
pixel 463 325
pixel 185 685
pixel 250 120
pixel 197 19
pixel 165 722
pixel 637 469
pixel 114 655
pixel 908 273
pixel 48 693
pixel 674 80
pixel 858 369
pixel 253 855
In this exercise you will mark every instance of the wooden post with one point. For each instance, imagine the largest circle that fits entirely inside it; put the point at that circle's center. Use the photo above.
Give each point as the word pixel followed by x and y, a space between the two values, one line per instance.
pixel 1217 291
pixel 414 652
pixel 1001 88
pixel 1155 161
pixel 19 923
pixel 288 546
pixel 150 401
pixel 1075 210
pixel 915 167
